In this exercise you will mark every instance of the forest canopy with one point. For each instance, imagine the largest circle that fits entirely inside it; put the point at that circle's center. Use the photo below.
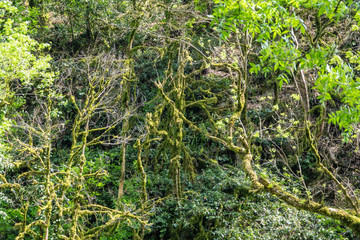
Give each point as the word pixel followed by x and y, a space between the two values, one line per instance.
pixel 179 119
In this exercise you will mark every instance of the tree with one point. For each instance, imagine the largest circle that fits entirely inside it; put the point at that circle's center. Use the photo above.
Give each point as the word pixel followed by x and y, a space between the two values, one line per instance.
pixel 55 188
pixel 279 29
pixel 23 66
pixel 146 105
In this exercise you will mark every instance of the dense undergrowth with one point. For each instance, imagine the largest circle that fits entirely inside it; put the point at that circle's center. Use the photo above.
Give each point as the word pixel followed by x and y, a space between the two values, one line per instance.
pixel 179 119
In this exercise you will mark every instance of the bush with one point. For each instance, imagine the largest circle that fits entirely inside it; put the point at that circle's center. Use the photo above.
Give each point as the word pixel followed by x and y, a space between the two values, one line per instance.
pixel 219 206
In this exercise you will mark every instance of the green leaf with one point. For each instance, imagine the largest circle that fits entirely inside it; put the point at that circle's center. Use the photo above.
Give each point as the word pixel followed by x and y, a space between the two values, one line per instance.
pixel 302 29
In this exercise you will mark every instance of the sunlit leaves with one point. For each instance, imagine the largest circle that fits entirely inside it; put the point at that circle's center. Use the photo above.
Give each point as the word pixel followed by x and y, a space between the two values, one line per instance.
pixel 268 22
pixel 18 55
pixel 282 34
pixel 338 78
pixel 21 64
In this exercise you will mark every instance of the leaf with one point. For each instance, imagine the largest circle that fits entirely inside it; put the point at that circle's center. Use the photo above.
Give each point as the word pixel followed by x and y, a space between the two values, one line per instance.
pixel 224 34
pixel 302 29
pixel 276 66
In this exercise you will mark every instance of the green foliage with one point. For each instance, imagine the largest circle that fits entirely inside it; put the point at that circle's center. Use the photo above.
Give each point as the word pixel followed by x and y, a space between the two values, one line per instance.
pixel 23 66
pixel 218 205
pixel 18 61
pixel 191 82
pixel 8 216
pixel 339 78
pixel 280 31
